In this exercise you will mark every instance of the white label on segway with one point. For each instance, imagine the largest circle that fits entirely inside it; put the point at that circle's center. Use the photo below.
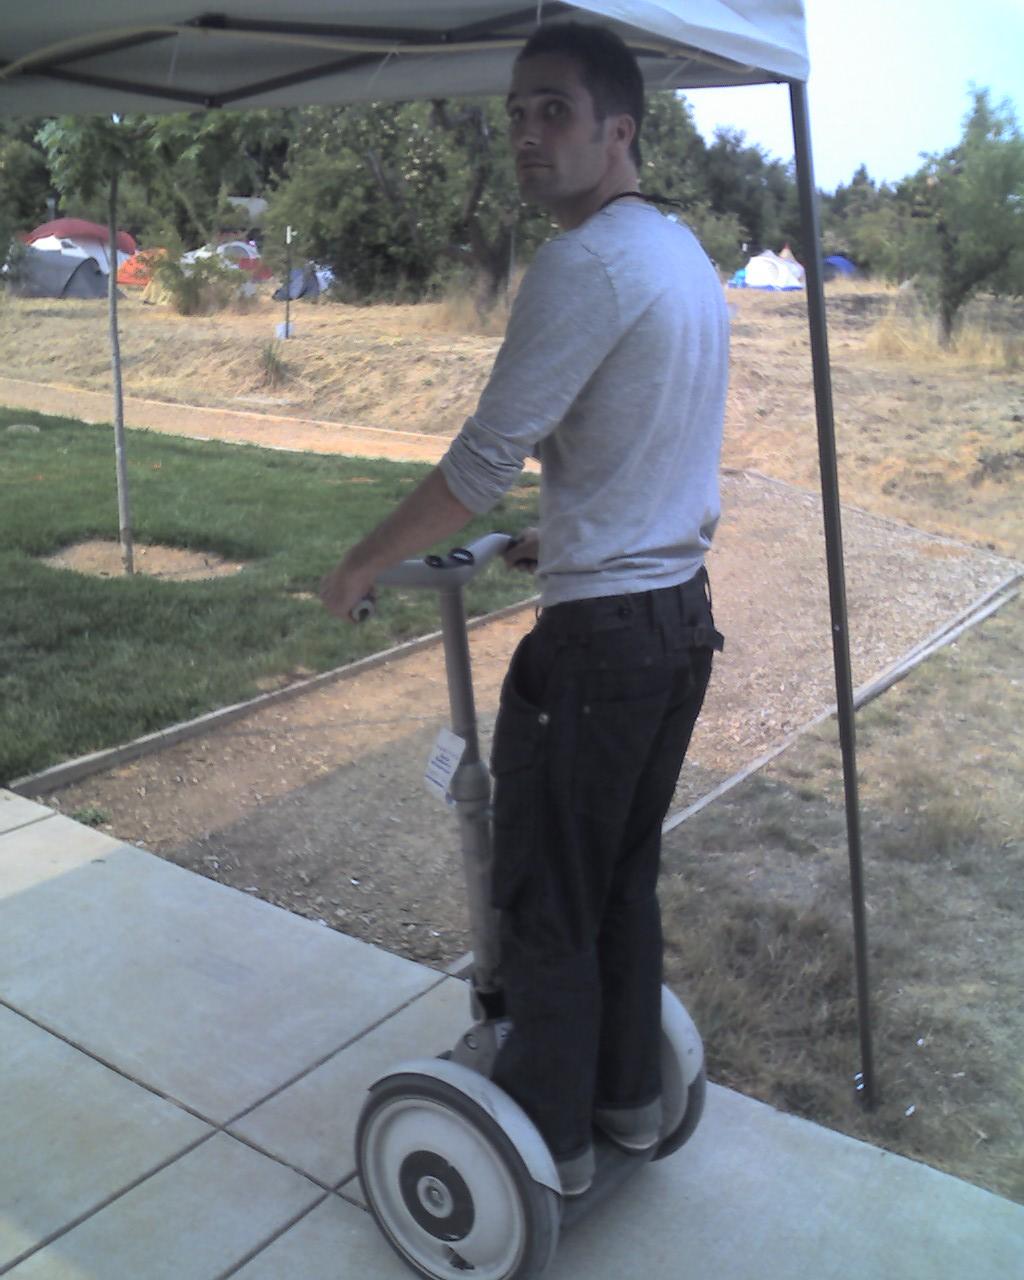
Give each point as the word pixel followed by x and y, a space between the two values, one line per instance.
pixel 444 760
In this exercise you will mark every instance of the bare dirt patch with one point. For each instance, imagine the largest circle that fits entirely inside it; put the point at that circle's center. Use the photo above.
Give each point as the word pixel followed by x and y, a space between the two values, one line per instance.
pixel 102 559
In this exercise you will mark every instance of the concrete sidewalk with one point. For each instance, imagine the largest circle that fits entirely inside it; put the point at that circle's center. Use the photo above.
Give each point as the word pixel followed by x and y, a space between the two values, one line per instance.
pixel 182 1065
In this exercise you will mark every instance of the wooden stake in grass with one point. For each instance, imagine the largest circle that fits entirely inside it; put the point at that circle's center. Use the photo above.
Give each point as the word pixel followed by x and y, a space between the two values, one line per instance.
pixel 84 154
pixel 124 506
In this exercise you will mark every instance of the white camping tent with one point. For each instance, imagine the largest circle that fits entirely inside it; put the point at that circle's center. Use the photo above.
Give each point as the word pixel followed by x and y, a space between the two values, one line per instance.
pixel 768 271
pixel 81 248
pixel 150 55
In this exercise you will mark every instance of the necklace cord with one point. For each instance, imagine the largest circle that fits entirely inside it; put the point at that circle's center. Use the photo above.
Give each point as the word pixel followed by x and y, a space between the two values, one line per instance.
pixel 650 199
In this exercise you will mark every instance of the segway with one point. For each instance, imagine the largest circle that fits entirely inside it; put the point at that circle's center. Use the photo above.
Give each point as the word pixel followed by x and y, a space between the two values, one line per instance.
pixel 456 1175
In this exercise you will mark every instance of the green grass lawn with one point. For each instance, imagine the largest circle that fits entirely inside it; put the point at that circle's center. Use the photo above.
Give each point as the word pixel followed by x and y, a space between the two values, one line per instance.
pixel 88 662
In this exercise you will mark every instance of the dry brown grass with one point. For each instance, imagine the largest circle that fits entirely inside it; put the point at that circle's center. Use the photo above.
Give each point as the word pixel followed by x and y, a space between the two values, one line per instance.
pixel 457 312
pixel 936 442
pixel 756 904
pixel 915 339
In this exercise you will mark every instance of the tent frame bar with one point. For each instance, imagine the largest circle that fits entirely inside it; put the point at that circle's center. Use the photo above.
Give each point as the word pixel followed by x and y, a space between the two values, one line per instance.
pixel 810 227
pixel 53 64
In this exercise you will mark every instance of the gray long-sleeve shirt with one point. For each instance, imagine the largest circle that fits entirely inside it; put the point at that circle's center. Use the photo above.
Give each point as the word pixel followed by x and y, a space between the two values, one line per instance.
pixel 614 371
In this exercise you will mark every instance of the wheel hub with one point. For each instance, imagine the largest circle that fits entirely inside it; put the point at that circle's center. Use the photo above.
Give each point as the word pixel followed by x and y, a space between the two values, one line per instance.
pixel 436 1196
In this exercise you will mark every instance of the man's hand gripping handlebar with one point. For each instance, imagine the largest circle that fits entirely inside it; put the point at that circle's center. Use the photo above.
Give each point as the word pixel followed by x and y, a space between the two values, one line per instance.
pixel 438 573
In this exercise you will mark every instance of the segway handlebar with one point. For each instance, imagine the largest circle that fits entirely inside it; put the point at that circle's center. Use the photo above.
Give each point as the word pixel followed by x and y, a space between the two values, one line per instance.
pixel 439 573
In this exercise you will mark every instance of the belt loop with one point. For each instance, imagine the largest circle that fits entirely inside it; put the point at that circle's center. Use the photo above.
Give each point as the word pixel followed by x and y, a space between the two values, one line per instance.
pixel 707 586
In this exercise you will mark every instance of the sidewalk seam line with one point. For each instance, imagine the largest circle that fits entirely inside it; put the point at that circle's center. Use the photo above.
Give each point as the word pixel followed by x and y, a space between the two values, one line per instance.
pixel 235 1267
pixel 214 1127
pixel 107 1202
pixel 315 1066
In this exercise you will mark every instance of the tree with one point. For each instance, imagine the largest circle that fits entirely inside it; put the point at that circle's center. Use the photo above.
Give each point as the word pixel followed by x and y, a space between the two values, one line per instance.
pixel 24 176
pixel 871 224
pixel 674 164
pixel 200 158
pixel 24 181
pixel 84 156
pixel 352 195
pixel 743 181
pixel 392 195
pixel 485 225
pixel 968 204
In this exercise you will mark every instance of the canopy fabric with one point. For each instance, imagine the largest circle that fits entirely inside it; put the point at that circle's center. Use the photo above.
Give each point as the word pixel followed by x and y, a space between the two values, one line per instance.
pixel 64 57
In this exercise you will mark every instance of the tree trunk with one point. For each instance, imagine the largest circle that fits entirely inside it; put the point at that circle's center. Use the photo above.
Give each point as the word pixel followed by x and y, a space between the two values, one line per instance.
pixel 493 263
pixel 491 259
pixel 947 317
pixel 124 506
pixel 950 295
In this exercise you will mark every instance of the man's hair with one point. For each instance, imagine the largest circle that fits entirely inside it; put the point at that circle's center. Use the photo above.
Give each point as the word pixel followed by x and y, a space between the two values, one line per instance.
pixel 607 68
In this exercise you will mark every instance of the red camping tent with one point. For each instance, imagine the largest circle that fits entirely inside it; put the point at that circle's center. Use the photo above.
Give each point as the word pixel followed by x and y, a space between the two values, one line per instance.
pixel 79 229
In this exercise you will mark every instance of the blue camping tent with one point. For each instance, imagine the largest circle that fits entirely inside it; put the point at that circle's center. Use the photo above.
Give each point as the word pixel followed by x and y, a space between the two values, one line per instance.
pixel 837 265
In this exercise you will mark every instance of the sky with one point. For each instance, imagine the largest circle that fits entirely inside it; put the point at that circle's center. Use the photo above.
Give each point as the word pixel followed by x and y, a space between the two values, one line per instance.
pixel 889 79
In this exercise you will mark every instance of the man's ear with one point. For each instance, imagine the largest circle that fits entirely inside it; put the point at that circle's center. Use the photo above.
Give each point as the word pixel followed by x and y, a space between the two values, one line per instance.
pixel 624 131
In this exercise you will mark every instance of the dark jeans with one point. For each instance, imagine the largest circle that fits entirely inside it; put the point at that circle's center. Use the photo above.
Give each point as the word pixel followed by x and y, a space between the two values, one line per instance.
pixel 595 718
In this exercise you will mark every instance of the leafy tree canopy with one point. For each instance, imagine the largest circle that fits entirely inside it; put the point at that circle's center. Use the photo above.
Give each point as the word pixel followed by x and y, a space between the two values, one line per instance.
pixel 968 207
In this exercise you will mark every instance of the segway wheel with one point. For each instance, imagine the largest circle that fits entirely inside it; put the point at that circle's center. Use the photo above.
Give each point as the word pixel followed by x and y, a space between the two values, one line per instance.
pixel 683 1130
pixel 448 1188
pixel 683 1076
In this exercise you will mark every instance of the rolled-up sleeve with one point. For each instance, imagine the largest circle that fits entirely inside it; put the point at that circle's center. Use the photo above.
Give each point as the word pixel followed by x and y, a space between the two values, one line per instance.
pixel 480 466
pixel 563 323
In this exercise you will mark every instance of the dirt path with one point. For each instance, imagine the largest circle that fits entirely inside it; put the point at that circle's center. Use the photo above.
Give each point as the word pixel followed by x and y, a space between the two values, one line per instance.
pixel 301 435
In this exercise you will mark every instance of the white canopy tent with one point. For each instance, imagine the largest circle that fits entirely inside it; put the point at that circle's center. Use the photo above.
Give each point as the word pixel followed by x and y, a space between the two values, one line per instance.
pixel 65 57
pixel 151 55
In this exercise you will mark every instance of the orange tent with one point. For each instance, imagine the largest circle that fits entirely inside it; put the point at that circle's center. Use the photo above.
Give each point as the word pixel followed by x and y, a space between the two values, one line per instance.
pixel 137 271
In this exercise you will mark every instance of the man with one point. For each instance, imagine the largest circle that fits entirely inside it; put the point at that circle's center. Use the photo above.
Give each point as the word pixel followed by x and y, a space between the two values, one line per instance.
pixel 613 371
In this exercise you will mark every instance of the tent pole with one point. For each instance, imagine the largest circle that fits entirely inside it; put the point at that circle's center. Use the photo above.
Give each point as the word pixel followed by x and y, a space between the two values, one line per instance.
pixel 865 1080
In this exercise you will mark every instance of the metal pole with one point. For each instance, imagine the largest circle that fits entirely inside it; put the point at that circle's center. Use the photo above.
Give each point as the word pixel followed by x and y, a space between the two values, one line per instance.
pixel 287 282
pixel 471 791
pixel 865 1080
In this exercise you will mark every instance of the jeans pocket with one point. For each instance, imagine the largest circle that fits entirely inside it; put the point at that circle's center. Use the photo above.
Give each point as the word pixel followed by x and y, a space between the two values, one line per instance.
pixel 619 716
pixel 517 763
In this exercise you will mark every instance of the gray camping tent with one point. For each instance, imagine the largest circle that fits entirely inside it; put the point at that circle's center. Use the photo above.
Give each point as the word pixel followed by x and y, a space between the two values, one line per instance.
pixel 39 273
pixel 171 55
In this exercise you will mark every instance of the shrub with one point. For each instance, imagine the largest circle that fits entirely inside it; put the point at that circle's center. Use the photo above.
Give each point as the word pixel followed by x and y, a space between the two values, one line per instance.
pixel 273 367
pixel 202 286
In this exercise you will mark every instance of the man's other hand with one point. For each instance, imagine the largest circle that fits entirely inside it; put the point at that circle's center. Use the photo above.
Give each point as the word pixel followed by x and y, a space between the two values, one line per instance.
pixel 524 551
pixel 345 587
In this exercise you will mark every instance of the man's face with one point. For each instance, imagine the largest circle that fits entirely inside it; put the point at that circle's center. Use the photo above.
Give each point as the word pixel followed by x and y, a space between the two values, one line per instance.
pixel 562 152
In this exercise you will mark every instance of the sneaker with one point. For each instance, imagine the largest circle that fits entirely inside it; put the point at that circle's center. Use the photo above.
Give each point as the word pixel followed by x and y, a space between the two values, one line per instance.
pixel 577 1173
pixel 633 1129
